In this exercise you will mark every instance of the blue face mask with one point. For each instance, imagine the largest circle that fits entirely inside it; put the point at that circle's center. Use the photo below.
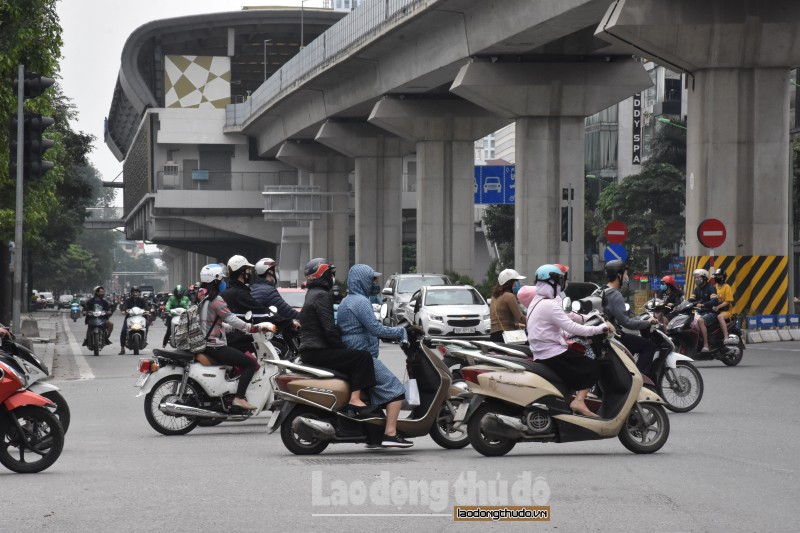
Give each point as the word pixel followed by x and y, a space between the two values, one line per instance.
pixel 222 286
pixel 517 287
pixel 663 287
pixel 374 290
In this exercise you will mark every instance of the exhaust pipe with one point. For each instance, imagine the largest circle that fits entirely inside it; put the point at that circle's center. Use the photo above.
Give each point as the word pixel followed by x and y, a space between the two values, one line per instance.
pixel 313 429
pixel 503 426
pixel 176 409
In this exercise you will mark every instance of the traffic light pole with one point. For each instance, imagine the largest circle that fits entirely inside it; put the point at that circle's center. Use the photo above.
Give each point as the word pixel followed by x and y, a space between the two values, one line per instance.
pixel 17 292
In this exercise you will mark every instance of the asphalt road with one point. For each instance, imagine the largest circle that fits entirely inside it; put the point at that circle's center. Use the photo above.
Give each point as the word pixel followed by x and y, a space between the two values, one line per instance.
pixel 730 465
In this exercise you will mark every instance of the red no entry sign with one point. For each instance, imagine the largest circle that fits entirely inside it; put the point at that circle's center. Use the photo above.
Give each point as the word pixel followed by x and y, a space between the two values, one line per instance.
pixel 616 232
pixel 711 233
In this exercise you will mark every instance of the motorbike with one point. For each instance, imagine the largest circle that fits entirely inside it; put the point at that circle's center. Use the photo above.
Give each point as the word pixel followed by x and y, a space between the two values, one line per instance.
pixel 31 436
pixel 174 316
pixel 35 371
pixel 673 374
pixel 525 401
pixel 96 336
pixel 74 312
pixel 183 390
pixel 136 337
pixel 310 418
pixel 684 330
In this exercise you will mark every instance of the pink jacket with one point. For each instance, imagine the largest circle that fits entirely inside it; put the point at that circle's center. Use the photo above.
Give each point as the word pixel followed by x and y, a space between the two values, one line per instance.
pixel 547 322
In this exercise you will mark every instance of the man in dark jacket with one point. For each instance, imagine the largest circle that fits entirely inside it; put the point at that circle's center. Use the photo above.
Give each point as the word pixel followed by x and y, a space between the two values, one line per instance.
pixel 240 301
pixel 616 273
pixel 265 292
pixel 135 300
pixel 321 341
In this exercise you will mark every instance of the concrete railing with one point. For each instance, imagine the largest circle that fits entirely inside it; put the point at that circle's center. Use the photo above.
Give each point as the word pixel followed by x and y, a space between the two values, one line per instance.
pixel 771 328
pixel 370 19
pixel 205 180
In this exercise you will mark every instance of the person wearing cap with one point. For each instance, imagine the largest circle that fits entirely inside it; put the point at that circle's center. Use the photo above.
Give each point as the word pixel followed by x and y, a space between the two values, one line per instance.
pixel 239 300
pixel 504 311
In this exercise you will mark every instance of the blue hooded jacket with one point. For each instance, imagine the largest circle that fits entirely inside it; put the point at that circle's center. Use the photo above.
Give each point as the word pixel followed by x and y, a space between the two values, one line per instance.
pixel 360 329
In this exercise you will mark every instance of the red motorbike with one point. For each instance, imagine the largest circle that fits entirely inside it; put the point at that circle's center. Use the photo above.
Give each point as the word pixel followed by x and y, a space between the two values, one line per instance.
pixel 31 437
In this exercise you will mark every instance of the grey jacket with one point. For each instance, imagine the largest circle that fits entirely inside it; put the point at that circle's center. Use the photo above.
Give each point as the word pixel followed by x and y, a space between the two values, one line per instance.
pixel 615 311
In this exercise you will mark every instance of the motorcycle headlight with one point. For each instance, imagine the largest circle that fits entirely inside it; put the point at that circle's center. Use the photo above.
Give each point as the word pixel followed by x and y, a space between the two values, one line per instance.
pixel 436 318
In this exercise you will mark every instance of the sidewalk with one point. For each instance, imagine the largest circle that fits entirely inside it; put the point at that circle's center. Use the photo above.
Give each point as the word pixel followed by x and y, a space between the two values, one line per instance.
pixel 44 345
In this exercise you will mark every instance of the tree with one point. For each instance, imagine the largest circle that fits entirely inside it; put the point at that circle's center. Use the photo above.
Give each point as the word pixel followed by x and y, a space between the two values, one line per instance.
pixel 498 220
pixel 652 205
pixel 669 145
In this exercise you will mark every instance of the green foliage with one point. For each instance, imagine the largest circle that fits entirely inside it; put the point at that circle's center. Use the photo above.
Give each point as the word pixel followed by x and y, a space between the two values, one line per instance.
pixel 498 220
pixel 669 145
pixel 409 258
pixel 460 279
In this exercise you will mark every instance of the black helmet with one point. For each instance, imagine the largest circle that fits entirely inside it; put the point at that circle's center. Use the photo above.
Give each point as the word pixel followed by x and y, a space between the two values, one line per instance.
pixel 317 268
pixel 720 276
pixel 135 289
pixel 615 268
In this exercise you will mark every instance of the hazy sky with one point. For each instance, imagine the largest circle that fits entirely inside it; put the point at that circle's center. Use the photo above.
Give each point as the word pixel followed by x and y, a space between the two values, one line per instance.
pixel 95 32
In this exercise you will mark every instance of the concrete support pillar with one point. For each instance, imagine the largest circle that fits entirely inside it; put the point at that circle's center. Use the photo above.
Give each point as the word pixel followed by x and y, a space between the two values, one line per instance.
pixel 378 190
pixel 738 159
pixel 329 236
pixel 444 132
pixel 550 102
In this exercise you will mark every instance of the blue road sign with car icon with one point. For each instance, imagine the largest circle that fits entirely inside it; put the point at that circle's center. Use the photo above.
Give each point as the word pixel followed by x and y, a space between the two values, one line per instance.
pixel 495 184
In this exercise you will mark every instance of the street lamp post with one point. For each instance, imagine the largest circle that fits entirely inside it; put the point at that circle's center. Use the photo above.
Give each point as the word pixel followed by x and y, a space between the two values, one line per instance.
pixel 302 11
pixel 265 57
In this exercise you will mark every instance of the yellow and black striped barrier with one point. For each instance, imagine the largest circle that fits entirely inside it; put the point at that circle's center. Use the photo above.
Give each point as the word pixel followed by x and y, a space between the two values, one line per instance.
pixel 760 282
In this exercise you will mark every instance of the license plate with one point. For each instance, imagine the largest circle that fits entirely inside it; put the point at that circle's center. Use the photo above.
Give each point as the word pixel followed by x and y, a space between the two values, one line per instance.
pixel 464 330
pixel 142 379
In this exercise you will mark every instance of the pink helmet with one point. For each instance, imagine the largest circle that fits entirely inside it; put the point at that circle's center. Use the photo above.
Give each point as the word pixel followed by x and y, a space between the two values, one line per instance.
pixel 526 294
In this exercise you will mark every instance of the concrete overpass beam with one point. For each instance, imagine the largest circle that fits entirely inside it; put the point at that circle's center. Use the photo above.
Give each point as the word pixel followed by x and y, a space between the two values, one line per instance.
pixel 550 101
pixel 378 187
pixel 738 54
pixel 329 236
pixel 444 131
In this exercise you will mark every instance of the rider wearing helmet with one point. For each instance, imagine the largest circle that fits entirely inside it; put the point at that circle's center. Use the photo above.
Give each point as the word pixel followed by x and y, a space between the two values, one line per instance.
pixel 135 300
pixel 178 299
pixel 546 325
pixel 239 300
pixel 213 312
pixel 320 338
pixel 705 297
pixel 617 275
pixel 724 300
pixel 504 311
pixel 264 289
pixel 98 300
pixel 671 294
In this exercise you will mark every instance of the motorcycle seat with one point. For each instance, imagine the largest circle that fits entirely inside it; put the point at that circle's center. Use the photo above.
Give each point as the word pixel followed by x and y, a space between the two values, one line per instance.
pixel 175 355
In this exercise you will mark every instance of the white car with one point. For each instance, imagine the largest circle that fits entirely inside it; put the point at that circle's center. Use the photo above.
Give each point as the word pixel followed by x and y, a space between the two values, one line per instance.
pixel 449 310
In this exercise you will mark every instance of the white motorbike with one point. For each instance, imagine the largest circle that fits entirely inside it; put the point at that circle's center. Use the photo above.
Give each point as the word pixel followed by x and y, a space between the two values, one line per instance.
pixel 136 337
pixel 175 317
pixel 183 390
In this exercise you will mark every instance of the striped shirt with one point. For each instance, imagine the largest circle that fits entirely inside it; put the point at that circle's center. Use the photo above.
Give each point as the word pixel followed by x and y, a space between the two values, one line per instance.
pixel 216 312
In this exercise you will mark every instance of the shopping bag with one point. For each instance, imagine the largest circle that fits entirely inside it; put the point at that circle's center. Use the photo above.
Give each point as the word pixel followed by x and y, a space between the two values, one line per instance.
pixel 412 392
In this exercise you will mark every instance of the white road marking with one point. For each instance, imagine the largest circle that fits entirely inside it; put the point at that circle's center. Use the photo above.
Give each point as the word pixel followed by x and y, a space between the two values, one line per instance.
pixel 777 349
pixel 83 366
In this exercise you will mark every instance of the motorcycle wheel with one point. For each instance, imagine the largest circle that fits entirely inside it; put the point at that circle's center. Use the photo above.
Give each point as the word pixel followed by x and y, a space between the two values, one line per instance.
pixel 687 391
pixel 96 340
pixel 442 431
pixel 734 360
pixel 490 446
pixel 136 340
pixel 62 409
pixel 42 428
pixel 168 424
pixel 646 429
pixel 293 442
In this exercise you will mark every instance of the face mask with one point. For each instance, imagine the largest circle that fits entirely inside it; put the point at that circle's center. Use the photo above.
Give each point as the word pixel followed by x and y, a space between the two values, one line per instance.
pixel 517 287
pixel 374 290
pixel 663 287
pixel 222 286
pixel 277 278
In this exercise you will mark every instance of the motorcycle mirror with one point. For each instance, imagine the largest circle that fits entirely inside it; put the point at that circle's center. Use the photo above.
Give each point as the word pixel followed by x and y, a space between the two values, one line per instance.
pixel 567 304
pixel 384 312
pixel 248 316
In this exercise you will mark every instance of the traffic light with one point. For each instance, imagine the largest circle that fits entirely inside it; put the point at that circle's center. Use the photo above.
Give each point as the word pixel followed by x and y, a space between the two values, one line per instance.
pixel 34 144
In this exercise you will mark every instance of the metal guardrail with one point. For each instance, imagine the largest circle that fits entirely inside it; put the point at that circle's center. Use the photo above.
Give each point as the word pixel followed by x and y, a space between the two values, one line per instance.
pixel 104 213
pixel 349 34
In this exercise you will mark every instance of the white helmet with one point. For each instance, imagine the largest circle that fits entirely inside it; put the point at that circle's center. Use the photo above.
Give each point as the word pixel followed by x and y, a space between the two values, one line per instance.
pixel 212 272
pixel 236 262
pixel 700 272
pixel 507 275
pixel 262 265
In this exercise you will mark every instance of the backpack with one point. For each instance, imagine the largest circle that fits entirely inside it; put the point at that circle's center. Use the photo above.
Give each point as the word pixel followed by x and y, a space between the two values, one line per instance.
pixel 188 333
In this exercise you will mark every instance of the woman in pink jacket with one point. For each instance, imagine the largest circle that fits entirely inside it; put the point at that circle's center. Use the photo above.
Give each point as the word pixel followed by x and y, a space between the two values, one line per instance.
pixel 547 323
